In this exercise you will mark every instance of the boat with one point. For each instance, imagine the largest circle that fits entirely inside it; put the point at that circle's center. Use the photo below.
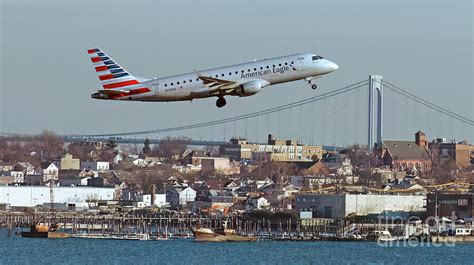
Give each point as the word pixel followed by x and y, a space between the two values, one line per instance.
pixel 144 236
pixel 383 236
pixel 202 234
pixel 43 231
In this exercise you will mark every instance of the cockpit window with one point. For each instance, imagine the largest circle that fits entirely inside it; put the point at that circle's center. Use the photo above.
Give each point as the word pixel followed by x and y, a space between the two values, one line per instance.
pixel 317 58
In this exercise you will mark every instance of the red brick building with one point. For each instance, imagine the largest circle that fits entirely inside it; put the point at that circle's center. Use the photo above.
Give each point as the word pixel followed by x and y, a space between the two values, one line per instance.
pixel 405 155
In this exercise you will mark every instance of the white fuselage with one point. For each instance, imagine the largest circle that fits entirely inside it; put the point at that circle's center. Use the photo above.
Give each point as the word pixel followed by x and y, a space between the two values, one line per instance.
pixel 268 72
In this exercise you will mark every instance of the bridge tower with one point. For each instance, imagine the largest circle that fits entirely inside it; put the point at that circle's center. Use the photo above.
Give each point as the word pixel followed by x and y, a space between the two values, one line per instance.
pixel 375 119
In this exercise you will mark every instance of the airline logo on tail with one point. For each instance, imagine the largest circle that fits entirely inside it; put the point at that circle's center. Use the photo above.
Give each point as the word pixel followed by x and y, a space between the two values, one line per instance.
pixel 115 80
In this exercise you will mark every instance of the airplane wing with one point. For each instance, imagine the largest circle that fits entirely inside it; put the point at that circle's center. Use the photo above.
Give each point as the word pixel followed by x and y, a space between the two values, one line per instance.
pixel 217 86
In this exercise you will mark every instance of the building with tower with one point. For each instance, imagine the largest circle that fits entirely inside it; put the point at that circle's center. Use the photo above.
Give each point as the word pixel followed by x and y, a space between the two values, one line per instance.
pixel 405 155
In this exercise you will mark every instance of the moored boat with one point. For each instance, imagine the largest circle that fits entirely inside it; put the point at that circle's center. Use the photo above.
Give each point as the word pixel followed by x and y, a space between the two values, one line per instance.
pixel 43 231
pixel 202 234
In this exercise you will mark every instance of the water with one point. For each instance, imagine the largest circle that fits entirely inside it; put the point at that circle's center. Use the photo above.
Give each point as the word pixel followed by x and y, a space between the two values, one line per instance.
pixel 18 250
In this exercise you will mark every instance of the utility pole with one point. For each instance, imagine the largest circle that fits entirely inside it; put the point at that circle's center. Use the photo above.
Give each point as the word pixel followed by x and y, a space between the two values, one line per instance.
pixel 51 193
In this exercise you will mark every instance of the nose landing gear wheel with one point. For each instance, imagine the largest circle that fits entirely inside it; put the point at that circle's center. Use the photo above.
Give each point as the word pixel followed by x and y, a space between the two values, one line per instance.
pixel 220 102
pixel 314 86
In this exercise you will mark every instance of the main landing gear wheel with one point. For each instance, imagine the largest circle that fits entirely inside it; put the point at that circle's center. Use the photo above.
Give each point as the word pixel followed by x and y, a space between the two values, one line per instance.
pixel 310 82
pixel 220 102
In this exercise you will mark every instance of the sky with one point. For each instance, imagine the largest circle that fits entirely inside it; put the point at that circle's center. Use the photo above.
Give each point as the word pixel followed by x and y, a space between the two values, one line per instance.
pixel 424 46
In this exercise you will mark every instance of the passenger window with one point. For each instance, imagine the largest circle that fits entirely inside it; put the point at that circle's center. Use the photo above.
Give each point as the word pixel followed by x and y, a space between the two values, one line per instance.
pixel 171 83
pixel 236 72
pixel 197 79
pixel 166 84
pixel 184 82
pixel 190 80
pixel 261 68
pixel 279 64
pixel 292 62
pixel 255 69
pixel 248 70
pixel 230 73
pixel 243 71
pixel 222 74
pixel 268 66
pixel 177 83
pixel 286 63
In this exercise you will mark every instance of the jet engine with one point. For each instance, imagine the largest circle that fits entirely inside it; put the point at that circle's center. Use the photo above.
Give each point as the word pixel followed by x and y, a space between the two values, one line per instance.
pixel 250 88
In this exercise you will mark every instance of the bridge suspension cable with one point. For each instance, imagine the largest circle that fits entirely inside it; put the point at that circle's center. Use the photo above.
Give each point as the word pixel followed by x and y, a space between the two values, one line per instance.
pixel 241 117
pixel 426 103
pixel 328 114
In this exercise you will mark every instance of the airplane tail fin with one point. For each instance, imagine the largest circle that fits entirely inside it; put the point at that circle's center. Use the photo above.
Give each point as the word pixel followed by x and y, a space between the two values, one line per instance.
pixel 112 75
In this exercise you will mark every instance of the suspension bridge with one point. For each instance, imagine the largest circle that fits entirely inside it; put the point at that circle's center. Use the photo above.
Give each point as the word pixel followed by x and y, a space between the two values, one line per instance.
pixel 363 113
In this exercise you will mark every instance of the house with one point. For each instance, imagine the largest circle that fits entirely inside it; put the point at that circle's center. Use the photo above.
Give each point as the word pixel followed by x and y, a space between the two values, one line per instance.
pixel 386 176
pixel 311 182
pixel 318 168
pixel 194 157
pixel 6 166
pixel 88 173
pixel 269 188
pixel 345 169
pixel 95 165
pixel 244 189
pixel 70 163
pixel 25 167
pixel 118 158
pixel 19 176
pixel 180 196
pixel 128 195
pixel 291 189
pixel 239 205
pixel 257 203
pixel 6 178
pixel 265 182
pixel 218 164
pixel 230 185
pixel 50 172
pixel 202 191
pixel 144 200
pixel 405 155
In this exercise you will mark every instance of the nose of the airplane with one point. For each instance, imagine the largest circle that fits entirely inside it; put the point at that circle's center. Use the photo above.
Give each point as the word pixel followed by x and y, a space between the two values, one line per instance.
pixel 332 66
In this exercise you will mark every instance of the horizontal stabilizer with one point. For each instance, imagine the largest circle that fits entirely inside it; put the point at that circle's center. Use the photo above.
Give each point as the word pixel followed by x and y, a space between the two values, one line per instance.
pixel 110 92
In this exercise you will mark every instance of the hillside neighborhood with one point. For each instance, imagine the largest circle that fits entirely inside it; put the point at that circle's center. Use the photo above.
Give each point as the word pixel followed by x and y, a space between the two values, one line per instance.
pixel 239 177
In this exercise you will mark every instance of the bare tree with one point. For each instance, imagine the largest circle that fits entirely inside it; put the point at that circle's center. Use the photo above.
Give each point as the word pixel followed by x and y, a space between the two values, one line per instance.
pixel 48 146
pixel 171 148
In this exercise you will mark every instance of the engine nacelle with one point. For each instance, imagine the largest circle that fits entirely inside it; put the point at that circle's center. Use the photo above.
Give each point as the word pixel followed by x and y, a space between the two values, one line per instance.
pixel 250 88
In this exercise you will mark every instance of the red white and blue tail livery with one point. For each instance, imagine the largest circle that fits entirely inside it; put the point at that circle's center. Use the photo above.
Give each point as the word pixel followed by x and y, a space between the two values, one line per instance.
pixel 116 82
pixel 242 80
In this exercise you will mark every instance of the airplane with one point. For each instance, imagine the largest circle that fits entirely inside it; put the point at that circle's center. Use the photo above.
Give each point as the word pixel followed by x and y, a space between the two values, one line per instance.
pixel 241 80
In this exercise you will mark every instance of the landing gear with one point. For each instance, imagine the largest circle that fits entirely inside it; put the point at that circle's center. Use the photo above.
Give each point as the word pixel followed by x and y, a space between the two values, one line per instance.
pixel 220 102
pixel 310 81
